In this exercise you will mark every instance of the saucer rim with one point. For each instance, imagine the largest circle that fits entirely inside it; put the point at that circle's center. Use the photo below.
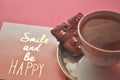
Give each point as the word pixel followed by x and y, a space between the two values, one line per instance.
pixel 62 64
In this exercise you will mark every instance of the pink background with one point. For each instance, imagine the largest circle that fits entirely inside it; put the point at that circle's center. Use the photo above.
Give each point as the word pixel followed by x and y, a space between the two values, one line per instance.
pixel 50 12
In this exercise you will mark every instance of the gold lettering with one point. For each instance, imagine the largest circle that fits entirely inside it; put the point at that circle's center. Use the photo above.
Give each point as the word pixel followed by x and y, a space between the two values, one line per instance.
pixel 28 58
pixel 25 48
pixel 32 39
pixel 42 39
pixel 20 69
pixel 35 68
pixel 13 66
pixel 25 38
pixel 32 48
pixel 46 41
pixel 29 65
pixel 41 69
pixel 37 48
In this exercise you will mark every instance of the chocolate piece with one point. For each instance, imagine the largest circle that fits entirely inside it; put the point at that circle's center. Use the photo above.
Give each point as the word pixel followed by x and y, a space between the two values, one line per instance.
pixel 61 32
pixel 67 34
pixel 75 19
pixel 73 45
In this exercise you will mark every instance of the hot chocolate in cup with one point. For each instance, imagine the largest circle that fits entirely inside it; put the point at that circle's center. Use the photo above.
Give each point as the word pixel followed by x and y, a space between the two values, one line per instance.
pixel 99 33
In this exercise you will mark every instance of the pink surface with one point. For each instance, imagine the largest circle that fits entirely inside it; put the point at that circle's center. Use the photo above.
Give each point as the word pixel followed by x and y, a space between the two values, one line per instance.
pixel 50 12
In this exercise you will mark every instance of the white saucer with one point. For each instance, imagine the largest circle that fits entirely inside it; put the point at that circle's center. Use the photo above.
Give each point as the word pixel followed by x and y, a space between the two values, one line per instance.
pixel 81 68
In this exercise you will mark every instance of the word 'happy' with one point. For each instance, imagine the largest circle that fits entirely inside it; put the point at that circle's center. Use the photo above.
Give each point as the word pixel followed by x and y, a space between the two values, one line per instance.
pixel 25 67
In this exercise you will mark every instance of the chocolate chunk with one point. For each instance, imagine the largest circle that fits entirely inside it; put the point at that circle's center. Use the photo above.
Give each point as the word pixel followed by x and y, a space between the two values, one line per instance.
pixel 75 19
pixel 61 32
pixel 67 34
